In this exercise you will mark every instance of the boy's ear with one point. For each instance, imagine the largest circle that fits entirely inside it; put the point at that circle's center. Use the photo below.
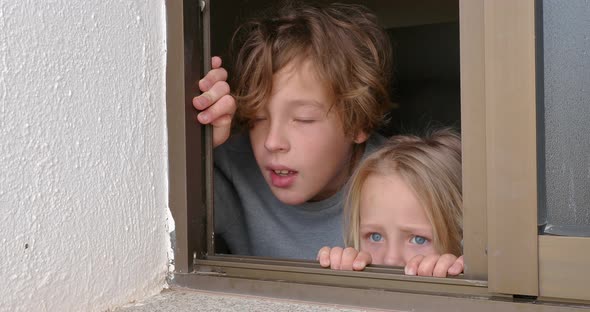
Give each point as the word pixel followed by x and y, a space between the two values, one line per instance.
pixel 360 137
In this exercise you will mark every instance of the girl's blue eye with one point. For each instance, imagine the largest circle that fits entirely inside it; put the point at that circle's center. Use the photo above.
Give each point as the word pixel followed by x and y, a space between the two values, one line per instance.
pixel 418 240
pixel 376 237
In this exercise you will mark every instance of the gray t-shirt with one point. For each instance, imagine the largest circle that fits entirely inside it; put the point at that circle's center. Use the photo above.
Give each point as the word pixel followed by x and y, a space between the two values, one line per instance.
pixel 252 221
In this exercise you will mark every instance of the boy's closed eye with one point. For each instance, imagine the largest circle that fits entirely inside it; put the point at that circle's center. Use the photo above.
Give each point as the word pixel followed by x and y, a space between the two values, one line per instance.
pixel 304 120
pixel 259 118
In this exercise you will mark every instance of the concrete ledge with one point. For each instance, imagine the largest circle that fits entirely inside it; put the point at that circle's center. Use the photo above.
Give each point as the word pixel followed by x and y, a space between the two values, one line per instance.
pixel 181 300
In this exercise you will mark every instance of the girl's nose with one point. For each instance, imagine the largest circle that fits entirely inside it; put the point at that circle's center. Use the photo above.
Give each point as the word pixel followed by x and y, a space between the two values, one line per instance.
pixel 276 139
pixel 394 257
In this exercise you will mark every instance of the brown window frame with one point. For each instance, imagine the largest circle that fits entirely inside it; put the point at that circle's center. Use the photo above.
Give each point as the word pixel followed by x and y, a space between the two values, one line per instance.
pixel 499 154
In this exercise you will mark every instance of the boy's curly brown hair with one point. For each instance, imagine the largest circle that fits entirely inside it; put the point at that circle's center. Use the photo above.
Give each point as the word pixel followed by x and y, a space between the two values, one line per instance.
pixel 345 44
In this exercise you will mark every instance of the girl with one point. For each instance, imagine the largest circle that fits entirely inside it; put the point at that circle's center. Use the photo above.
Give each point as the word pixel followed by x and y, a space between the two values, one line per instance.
pixel 404 208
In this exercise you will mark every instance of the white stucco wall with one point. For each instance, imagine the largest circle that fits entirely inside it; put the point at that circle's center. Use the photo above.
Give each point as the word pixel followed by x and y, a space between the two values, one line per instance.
pixel 83 155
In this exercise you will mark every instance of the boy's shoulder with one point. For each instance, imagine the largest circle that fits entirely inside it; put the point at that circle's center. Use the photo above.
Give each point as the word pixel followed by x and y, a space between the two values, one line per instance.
pixel 236 143
pixel 374 142
pixel 235 152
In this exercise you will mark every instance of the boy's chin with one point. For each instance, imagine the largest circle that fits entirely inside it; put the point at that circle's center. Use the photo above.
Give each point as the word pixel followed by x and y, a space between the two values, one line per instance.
pixel 289 198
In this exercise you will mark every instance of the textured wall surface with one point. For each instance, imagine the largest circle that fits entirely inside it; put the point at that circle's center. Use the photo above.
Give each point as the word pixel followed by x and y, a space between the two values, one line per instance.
pixel 83 189
pixel 566 40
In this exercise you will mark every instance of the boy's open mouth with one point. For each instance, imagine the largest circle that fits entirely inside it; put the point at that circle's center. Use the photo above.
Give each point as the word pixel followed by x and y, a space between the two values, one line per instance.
pixel 283 172
pixel 282 178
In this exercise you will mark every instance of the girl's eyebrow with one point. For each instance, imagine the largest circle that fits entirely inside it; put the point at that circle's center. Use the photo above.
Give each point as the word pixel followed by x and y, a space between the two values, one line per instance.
pixel 371 226
pixel 417 229
pixel 410 229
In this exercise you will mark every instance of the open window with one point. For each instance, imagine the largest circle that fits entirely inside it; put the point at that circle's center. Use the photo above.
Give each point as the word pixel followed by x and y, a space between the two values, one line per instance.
pixel 491 81
pixel 425 87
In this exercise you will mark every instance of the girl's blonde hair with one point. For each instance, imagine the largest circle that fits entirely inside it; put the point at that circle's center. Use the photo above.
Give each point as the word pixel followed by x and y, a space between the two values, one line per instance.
pixel 431 167
pixel 348 49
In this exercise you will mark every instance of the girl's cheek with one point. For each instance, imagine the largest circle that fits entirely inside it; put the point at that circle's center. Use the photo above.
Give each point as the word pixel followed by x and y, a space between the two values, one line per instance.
pixel 366 246
pixel 413 250
pixel 376 254
pixel 425 250
pixel 429 248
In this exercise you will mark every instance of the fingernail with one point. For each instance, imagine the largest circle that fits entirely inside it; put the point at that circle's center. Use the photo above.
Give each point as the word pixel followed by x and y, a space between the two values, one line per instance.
pixel 203 117
pixel 410 271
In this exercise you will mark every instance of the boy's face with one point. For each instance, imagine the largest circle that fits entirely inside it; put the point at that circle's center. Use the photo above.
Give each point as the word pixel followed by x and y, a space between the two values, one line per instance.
pixel 298 142
pixel 393 225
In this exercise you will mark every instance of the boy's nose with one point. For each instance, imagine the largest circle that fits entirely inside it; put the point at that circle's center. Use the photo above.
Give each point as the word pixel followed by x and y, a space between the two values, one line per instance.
pixel 276 140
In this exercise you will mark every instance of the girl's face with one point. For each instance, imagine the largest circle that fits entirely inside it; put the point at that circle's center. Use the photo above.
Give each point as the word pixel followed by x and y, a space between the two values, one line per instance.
pixel 393 225
pixel 298 141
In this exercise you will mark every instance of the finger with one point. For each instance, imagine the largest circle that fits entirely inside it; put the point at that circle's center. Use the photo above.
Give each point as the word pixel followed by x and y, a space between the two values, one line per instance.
pixel 426 267
pixel 221 130
pixel 362 260
pixel 335 257
pixel 224 106
pixel 213 76
pixel 348 256
pixel 457 267
pixel 324 257
pixel 411 267
pixel 443 264
pixel 220 116
pixel 215 62
pixel 206 99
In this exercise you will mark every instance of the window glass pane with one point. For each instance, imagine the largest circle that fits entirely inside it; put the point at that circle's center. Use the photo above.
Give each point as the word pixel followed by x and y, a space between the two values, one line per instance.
pixel 565 161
